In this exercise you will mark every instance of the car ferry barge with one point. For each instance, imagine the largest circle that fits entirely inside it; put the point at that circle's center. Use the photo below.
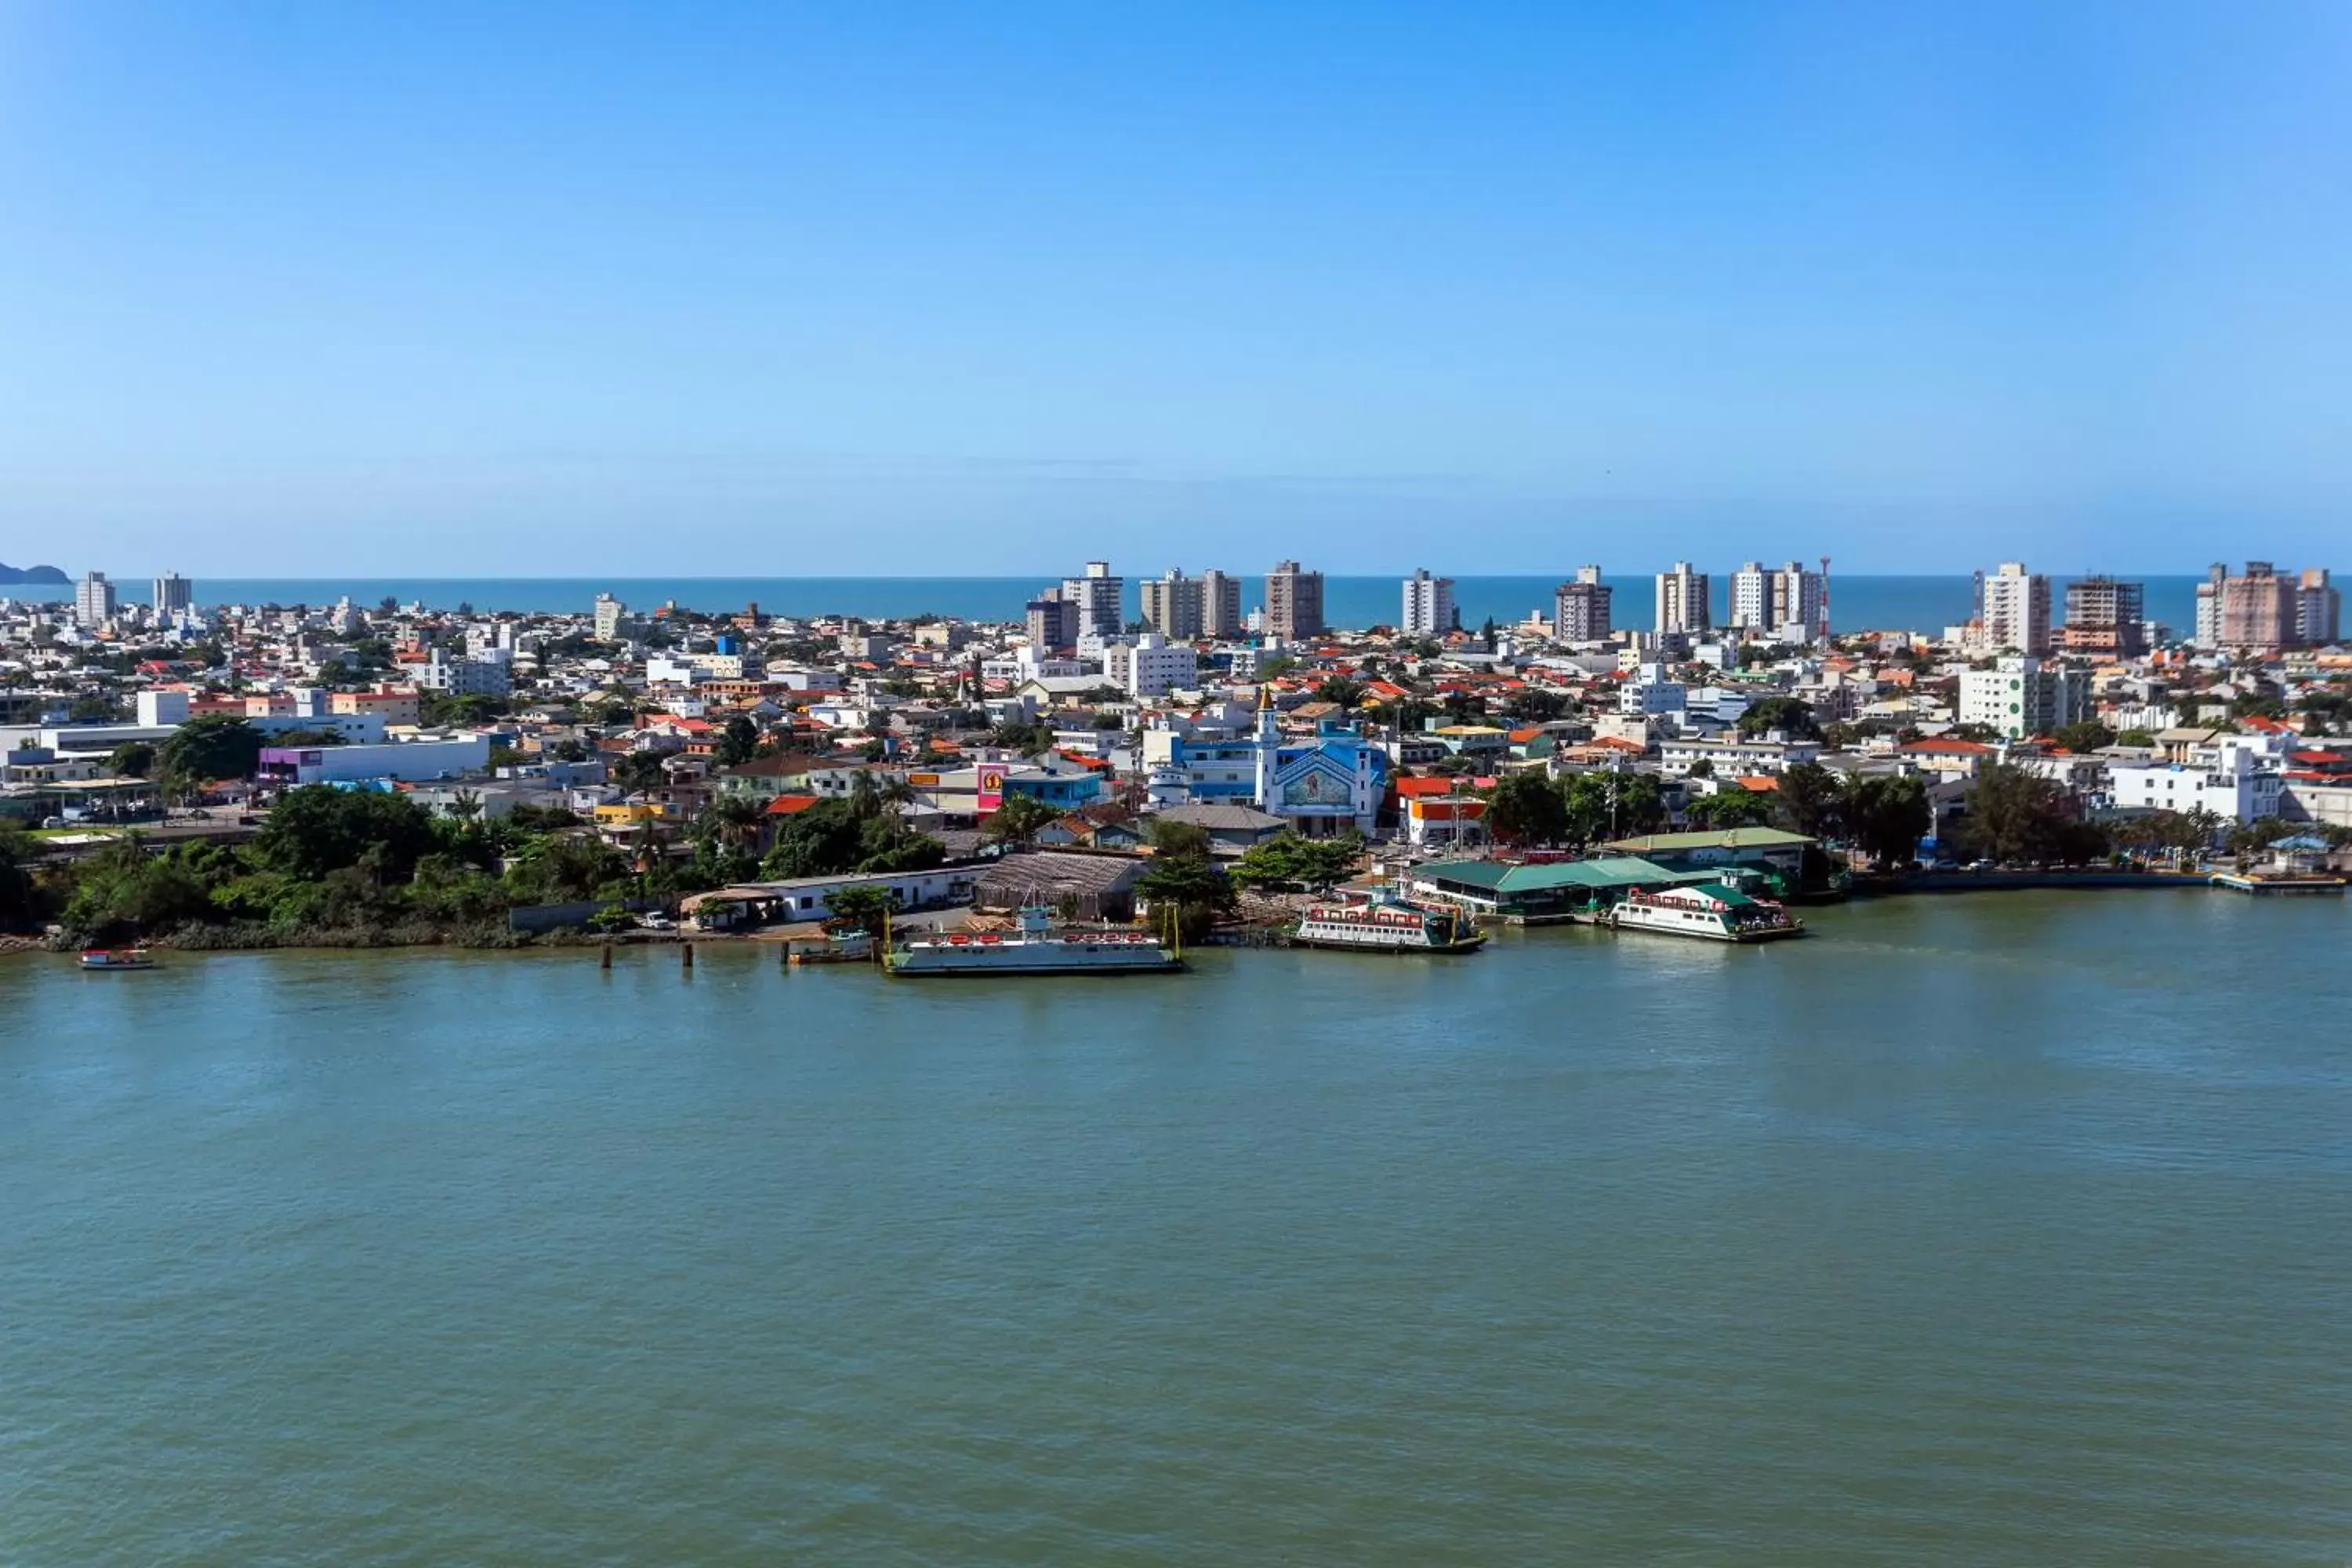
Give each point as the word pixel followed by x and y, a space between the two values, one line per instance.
pixel 1033 947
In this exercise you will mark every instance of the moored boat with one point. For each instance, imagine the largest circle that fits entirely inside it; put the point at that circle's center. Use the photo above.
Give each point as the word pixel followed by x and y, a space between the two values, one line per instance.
pixel 1710 912
pixel 1034 947
pixel 117 958
pixel 1385 923
pixel 832 947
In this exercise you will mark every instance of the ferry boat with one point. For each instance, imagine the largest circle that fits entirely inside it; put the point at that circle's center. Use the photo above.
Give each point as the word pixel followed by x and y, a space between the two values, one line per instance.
pixel 1386 923
pixel 1710 912
pixel 117 958
pixel 1033 947
pixel 832 947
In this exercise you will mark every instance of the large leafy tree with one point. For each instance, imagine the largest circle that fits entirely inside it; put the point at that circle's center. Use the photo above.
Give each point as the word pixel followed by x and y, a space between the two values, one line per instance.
pixel 863 907
pixel 1527 809
pixel 1809 800
pixel 1605 803
pixel 1887 814
pixel 831 837
pixel 2017 817
pixel 216 746
pixel 1790 715
pixel 316 829
pixel 131 760
pixel 1192 885
pixel 1288 860
pixel 1730 809
pixel 739 742
pixel 18 903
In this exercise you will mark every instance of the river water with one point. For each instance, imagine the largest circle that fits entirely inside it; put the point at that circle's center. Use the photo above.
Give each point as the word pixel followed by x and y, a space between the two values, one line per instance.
pixel 2009 1228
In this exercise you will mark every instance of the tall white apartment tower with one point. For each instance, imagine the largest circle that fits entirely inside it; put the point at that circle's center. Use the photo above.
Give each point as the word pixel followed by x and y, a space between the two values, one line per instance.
pixel 1428 605
pixel 94 600
pixel 1683 599
pixel 2013 609
pixel 174 594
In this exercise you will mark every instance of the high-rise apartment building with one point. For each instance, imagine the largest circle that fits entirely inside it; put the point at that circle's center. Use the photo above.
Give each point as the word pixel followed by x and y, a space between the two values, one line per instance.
pixel 2013 610
pixel 1684 601
pixel 1428 605
pixel 2104 615
pixel 2208 607
pixel 1294 602
pixel 2319 608
pixel 1100 599
pixel 175 596
pixel 1580 608
pixel 610 612
pixel 2260 609
pixel 1220 605
pixel 1053 623
pixel 1787 603
pixel 94 600
pixel 1172 606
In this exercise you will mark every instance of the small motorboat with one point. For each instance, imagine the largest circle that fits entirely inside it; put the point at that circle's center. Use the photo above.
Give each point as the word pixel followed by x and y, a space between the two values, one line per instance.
pixel 117 958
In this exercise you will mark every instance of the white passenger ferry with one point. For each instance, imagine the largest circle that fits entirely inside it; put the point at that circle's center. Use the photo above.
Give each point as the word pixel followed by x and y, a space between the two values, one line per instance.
pixel 1034 947
pixel 1388 924
pixel 1710 912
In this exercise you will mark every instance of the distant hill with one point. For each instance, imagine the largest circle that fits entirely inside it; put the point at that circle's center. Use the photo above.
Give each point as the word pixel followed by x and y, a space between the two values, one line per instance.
pixel 49 575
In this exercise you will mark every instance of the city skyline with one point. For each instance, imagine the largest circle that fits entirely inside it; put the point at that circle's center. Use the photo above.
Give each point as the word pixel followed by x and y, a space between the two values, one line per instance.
pixel 449 284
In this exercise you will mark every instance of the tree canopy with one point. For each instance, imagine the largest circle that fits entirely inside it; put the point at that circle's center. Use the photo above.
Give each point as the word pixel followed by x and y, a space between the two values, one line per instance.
pixel 213 746
pixel 1791 716
pixel 2017 817
pixel 1288 860
pixel 1527 809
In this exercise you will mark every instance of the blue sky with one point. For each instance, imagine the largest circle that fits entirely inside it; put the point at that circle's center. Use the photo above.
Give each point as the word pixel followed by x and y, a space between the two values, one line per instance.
pixel 301 289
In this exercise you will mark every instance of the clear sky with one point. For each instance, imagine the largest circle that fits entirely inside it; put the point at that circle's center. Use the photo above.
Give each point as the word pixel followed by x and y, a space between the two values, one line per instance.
pixel 302 289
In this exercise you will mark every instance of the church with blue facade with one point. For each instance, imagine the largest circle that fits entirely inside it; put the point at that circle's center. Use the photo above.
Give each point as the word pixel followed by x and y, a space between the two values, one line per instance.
pixel 1320 787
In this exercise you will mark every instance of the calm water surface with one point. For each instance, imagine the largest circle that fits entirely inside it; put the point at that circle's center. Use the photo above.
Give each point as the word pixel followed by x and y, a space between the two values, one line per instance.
pixel 2004 1230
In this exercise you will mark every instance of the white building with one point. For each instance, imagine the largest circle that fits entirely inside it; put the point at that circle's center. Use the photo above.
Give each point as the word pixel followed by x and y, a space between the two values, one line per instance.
pixel 1151 666
pixel 1428 605
pixel 2239 780
pixel 1685 600
pixel 492 675
pixel 94 600
pixel 1648 691
pixel 1787 603
pixel 1730 757
pixel 1100 598
pixel 610 613
pixel 409 762
pixel 2019 696
pixel 2013 610
pixel 175 596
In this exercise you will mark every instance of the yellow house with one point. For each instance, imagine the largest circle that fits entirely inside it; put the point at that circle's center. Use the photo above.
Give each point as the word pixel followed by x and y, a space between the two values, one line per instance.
pixel 630 813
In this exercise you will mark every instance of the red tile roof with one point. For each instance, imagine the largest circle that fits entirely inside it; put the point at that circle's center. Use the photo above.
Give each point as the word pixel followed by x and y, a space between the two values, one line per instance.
pixel 792 804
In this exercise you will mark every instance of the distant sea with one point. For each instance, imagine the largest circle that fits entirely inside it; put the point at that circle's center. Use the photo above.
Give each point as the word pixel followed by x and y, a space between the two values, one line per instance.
pixel 1856 602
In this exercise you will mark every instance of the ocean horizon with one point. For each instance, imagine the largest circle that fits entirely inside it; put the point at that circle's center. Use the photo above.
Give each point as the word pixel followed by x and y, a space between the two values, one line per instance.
pixel 1874 602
